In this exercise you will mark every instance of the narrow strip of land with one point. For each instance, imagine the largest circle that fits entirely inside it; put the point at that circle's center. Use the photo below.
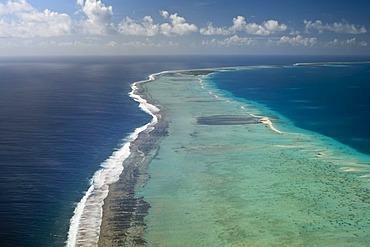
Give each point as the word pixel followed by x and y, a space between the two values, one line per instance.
pixel 209 174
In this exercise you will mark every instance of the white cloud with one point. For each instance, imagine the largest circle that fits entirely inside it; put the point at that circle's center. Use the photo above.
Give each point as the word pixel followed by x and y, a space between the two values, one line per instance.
pixel 334 42
pixel 144 28
pixel 337 27
pixel 266 28
pixel 240 25
pixel 27 21
pixel 351 41
pixel 177 26
pixel 231 41
pixel 274 26
pixel 12 7
pixel 347 42
pixel 211 30
pixel 363 43
pixel 99 17
pixel 149 44
pixel 236 40
pixel 298 40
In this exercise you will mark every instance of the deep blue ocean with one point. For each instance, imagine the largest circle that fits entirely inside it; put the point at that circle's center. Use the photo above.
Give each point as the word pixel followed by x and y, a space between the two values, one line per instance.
pixel 332 99
pixel 60 118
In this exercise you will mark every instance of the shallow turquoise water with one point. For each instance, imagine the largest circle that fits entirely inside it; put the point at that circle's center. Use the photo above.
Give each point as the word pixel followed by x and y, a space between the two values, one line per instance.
pixel 246 184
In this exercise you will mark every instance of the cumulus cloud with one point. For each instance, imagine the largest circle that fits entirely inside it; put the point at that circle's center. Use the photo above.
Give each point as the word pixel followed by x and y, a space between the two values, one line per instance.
pixel 211 30
pixel 351 41
pixel 266 28
pixel 28 22
pixel 347 42
pixel 99 17
pixel 148 44
pixel 363 43
pixel 298 41
pixel 337 27
pixel 274 26
pixel 144 28
pixel 231 41
pixel 12 7
pixel 241 25
pixel 177 25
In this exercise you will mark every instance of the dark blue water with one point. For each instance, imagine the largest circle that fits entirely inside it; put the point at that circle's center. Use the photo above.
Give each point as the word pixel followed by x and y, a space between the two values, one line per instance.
pixel 58 121
pixel 331 99
pixel 60 118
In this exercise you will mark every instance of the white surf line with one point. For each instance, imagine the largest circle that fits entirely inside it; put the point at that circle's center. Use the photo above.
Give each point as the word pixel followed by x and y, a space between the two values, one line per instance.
pixel 267 121
pixel 86 222
pixel 330 63
pixel 84 228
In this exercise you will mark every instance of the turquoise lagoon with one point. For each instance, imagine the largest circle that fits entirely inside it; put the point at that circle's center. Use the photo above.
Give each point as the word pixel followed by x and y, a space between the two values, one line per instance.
pixel 233 172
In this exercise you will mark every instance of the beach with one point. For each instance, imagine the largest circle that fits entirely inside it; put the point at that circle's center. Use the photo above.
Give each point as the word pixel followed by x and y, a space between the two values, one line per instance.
pixel 215 171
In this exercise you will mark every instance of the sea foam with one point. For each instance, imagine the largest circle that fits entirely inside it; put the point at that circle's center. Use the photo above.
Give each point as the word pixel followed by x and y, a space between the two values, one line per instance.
pixel 85 223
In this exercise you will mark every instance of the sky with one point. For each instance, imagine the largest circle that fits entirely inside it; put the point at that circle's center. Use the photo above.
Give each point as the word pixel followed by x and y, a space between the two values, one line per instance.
pixel 152 27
